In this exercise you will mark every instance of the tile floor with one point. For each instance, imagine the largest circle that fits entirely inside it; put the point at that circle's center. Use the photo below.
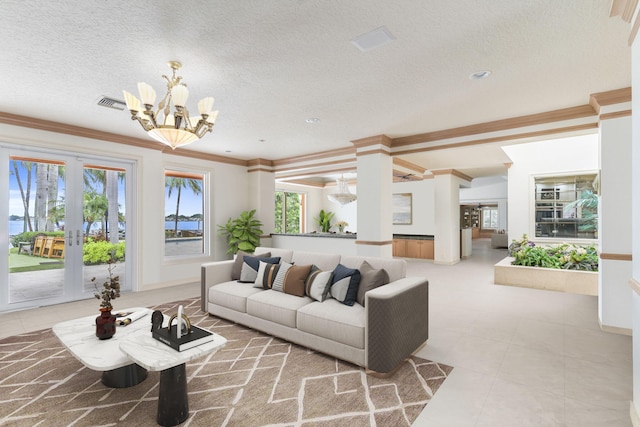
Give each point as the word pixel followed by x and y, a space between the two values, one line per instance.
pixel 521 357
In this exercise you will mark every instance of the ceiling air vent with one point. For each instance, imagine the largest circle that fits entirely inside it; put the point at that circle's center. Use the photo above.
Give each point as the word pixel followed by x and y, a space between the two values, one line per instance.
pixel 116 104
pixel 373 39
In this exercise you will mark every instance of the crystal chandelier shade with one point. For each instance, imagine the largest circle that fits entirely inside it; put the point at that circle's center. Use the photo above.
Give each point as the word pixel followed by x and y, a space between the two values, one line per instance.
pixel 343 196
pixel 173 129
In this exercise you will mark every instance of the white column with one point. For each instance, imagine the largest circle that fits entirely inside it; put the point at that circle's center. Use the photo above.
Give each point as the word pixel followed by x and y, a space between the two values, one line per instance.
pixel 262 187
pixel 447 215
pixel 635 230
pixel 614 302
pixel 375 172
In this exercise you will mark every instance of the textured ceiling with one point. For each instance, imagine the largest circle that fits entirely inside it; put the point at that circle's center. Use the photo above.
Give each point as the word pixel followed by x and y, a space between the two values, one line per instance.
pixel 271 64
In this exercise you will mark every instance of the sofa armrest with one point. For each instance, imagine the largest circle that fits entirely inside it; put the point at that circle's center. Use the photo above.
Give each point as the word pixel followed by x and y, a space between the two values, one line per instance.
pixel 211 274
pixel 397 322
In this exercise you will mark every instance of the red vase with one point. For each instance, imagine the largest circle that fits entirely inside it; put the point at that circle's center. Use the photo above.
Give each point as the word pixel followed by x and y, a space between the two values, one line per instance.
pixel 105 324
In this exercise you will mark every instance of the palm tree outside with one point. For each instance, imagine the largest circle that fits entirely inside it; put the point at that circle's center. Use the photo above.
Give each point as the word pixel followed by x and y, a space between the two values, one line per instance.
pixel 173 183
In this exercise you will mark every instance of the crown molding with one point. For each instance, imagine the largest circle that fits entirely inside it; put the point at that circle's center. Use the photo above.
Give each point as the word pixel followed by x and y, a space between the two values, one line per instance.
pixel 63 128
pixel 409 165
pixel 453 172
pixel 623 8
pixel 612 97
pixel 346 151
pixel 498 125
pixel 373 140
pixel 510 137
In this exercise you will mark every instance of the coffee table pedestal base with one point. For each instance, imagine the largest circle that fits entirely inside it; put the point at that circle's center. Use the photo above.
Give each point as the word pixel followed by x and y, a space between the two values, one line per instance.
pixel 124 377
pixel 173 401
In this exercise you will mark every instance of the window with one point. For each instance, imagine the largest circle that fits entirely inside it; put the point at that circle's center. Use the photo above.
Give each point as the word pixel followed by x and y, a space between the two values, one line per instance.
pixel 289 213
pixel 490 217
pixel 184 212
pixel 566 207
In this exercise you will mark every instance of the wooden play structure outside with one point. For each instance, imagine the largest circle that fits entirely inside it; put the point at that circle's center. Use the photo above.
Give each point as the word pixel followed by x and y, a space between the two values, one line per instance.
pixel 49 247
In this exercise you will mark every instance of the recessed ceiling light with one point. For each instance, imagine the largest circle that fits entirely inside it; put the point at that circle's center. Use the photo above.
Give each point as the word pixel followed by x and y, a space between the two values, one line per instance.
pixel 262 141
pixel 313 120
pixel 479 75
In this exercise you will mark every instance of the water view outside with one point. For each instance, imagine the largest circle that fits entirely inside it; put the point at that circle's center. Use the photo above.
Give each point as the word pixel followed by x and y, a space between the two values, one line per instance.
pixel 184 202
pixel 17 226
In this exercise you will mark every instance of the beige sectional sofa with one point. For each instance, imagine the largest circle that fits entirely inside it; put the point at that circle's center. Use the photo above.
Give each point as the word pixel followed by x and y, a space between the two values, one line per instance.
pixel 380 335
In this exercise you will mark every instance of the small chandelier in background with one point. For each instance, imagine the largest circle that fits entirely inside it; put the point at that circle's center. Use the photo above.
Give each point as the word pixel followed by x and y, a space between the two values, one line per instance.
pixel 343 196
pixel 177 129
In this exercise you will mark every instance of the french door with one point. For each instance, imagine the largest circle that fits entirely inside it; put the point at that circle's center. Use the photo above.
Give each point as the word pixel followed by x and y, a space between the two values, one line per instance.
pixel 67 219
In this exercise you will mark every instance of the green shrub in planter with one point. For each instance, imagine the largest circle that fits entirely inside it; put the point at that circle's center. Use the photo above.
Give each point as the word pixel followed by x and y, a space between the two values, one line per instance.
pixel 566 256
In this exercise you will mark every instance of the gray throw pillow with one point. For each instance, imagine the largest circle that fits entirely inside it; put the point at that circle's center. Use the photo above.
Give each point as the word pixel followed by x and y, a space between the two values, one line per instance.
pixel 237 265
pixel 370 279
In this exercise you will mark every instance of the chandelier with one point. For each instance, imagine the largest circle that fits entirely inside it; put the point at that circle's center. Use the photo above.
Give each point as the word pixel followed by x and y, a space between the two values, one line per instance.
pixel 173 129
pixel 343 196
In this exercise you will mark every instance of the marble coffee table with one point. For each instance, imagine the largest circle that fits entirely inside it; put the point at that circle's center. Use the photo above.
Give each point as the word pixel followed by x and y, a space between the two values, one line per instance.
pixel 118 370
pixel 153 355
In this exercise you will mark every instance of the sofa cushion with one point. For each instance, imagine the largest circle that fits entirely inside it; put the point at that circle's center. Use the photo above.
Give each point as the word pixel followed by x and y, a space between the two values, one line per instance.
pixel 344 284
pixel 276 307
pixel 284 254
pixel 322 260
pixel 396 268
pixel 232 295
pixel 334 321
pixel 278 283
pixel 237 264
pixel 292 280
pixel 266 275
pixel 318 283
pixel 250 266
pixel 370 278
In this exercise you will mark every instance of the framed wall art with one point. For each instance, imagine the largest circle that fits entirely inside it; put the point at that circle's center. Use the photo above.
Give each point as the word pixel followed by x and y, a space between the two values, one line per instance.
pixel 401 210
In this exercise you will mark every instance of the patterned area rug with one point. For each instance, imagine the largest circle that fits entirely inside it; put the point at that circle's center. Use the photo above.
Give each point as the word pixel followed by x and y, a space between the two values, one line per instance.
pixel 256 380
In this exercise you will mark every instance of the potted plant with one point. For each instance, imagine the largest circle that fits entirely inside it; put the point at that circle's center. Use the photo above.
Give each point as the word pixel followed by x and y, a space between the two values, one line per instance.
pixel 324 220
pixel 106 322
pixel 242 233
pixel 341 225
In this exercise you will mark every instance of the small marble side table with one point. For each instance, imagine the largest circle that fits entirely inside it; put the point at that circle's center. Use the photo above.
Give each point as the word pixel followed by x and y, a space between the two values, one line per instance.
pixel 153 355
pixel 118 370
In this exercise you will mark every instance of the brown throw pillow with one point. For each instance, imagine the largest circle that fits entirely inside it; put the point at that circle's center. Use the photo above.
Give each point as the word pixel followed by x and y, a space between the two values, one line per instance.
pixel 370 279
pixel 295 278
pixel 237 265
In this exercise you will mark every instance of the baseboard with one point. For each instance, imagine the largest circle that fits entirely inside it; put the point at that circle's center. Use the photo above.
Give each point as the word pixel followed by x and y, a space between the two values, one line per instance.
pixel 635 419
pixel 616 330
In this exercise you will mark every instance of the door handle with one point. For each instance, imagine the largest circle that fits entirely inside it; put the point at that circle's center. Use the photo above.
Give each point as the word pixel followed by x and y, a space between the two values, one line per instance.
pixel 78 237
pixel 70 238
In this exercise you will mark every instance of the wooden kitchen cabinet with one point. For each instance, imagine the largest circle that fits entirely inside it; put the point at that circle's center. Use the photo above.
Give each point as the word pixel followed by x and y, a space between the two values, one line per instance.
pixel 413 248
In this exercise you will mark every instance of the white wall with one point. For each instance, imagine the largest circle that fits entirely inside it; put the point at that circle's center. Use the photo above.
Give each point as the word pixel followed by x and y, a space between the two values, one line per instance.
pixel 564 156
pixel 228 197
pixel 423 207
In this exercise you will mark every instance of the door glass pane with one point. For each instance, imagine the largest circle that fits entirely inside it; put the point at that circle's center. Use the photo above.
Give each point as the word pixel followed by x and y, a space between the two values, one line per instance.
pixel 36 229
pixel 184 211
pixel 104 226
